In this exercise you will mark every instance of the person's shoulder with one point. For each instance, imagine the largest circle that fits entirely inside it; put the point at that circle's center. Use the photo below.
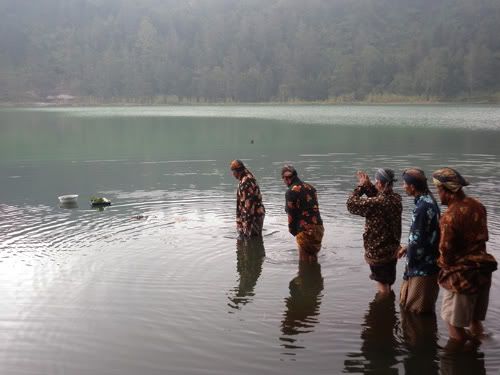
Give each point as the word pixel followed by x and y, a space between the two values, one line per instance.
pixel 304 187
pixel 453 213
pixel 248 178
pixel 309 186
pixel 474 203
pixel 394 196
pixel 425 201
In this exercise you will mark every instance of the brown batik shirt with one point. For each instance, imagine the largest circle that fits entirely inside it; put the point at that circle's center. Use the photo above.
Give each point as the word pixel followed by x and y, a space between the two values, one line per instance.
pixel 301 206
pixel 465 265
pixel 249 208
pixel 382 211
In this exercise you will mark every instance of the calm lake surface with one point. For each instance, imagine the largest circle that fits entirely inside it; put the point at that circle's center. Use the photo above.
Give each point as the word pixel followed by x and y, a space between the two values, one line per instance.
pixel 157 283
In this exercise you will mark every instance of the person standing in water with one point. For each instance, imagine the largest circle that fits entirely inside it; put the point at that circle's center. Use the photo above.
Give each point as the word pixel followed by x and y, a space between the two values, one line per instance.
pixel 466 267
pixel 382 208
pixel 304 219
pixel 250 210
pixel 420 288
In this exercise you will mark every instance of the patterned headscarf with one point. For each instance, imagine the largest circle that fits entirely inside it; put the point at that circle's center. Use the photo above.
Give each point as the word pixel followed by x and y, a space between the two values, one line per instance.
pixel 450 179
pixel 385 175
pixel 237 165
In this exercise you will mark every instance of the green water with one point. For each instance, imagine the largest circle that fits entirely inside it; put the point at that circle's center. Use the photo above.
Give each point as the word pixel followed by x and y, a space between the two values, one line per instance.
pixel 89 291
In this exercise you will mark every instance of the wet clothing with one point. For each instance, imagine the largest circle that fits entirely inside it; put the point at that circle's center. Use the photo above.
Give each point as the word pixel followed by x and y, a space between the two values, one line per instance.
pixel 460 309
pixel 302 207
pixel 382 211
pixel 250 211
pixel 466 267
pixel 384 273
pixel 309 240
pixel 423 238
pixel 419 294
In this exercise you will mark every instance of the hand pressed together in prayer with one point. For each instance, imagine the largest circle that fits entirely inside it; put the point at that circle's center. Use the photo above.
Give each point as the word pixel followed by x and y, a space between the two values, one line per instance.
pixel 363 178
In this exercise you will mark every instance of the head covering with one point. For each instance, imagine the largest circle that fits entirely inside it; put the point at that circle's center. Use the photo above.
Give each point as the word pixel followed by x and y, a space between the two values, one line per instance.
pixel 289 170
pixel 237 165
pixel 449 179
pixel 415 177
pixel 385 175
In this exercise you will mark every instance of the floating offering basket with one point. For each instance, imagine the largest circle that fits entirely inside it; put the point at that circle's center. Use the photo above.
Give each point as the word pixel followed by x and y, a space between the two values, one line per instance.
pixel 99 202
pixel 68 199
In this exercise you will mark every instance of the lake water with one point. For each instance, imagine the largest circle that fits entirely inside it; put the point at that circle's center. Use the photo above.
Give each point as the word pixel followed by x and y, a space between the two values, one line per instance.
pixel 157 284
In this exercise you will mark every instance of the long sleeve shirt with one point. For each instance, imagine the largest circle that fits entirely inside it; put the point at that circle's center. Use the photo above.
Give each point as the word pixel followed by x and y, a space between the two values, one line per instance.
pixel 465 265
pixel 423 238
pixel 382 211
pixel 249 207
pixel 301 206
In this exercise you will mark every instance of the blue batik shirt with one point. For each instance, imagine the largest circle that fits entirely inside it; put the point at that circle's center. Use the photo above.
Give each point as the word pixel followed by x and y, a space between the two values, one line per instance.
pixel 423 239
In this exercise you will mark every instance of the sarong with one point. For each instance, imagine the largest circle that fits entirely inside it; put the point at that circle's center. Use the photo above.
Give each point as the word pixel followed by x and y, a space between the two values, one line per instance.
pixel 309 240
pixel 418 294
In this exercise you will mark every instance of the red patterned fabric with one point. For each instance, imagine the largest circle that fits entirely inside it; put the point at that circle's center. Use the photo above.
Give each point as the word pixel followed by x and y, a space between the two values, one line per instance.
pixel 302 207
pixel 466 267
pixel 250 210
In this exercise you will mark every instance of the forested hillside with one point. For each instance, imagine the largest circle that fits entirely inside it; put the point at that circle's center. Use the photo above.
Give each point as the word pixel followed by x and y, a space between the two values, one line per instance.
pixel 249 50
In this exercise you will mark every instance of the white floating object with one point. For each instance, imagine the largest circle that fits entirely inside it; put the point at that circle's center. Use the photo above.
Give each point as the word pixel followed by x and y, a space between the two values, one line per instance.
pixel 71 198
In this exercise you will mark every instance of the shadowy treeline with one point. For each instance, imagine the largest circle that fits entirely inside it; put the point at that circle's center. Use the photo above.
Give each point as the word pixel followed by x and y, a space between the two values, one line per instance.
pixel 250 51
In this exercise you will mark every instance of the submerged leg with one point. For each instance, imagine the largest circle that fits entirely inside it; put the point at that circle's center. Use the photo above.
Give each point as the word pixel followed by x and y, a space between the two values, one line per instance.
pixel 383 288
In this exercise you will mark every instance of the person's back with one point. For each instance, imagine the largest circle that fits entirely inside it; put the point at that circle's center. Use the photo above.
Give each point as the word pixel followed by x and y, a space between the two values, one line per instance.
pixel 384 223
pixel 467 219
pixel 382 234
pixel 304 219
pixel 382 208
pixel 302 204
pixel 466 267
pixel 250 210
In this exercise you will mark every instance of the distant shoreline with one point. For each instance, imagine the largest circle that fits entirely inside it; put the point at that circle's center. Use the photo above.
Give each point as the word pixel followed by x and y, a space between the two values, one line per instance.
pixel 169 101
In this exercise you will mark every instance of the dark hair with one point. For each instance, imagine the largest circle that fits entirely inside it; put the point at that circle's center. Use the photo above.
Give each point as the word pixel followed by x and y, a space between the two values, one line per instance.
pixel 237 165
pixel 416 177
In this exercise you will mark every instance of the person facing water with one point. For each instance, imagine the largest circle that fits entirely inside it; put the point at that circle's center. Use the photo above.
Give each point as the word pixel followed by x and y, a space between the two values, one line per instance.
pixel 420 288
pixel 466 267
pixel 304 219
pixel 382 208
pixel 250 210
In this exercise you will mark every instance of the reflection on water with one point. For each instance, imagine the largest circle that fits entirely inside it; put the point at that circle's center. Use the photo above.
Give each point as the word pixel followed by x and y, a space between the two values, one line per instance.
pixel 302 306
pixel 69 205
pixel 250 255
pixel 420 335
pixel 463 363
pixel 145 286
pixel 380 346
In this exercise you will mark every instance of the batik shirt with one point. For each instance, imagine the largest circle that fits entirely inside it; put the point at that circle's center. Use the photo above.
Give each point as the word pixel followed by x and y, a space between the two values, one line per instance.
pixel 249 208
pixel 465 265
pixel 382 211
pixel 301 206
pixel 423 239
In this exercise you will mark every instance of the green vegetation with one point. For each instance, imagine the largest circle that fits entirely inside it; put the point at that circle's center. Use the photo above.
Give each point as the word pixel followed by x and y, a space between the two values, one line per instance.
pixel 197 51
pixel 99 201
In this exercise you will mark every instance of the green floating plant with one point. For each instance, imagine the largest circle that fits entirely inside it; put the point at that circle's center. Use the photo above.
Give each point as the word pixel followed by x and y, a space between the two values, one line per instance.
pixel 99 201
